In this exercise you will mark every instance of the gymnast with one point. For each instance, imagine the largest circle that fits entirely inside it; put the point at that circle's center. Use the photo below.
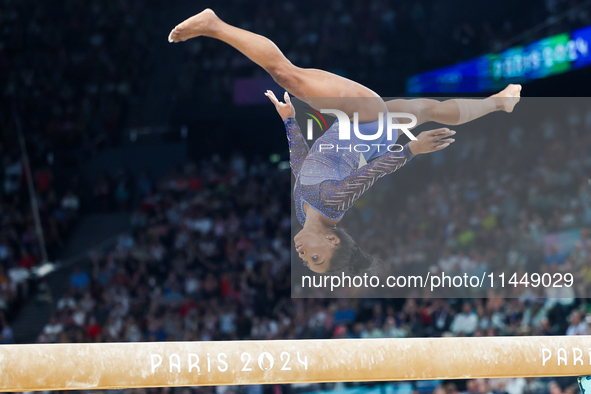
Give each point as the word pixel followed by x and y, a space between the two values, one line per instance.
pixel 329 182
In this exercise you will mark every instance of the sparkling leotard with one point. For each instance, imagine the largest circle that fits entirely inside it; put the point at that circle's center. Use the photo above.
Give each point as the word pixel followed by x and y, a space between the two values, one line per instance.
pixel 330 180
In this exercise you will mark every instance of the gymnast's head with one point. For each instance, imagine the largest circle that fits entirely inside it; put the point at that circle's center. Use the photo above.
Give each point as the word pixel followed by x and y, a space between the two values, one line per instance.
pixel 330 249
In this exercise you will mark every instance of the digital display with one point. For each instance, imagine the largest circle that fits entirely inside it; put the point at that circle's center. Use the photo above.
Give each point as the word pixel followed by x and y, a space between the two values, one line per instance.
pixel 549 56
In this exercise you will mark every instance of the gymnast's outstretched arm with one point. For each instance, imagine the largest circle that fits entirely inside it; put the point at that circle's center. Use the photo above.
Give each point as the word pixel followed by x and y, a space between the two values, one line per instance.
pixel 298 146
pixel 343 194
pixel 457 111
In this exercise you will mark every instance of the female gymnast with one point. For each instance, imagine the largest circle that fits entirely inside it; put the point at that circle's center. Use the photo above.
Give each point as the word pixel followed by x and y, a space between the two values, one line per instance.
pixel 329 182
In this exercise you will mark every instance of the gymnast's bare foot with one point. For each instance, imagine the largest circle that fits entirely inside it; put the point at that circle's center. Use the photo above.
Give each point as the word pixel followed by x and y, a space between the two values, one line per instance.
pixel 508 97
pixel 197 25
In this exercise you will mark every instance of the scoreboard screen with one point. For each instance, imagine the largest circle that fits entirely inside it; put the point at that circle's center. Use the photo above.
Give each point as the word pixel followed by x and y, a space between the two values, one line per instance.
pixel 549 56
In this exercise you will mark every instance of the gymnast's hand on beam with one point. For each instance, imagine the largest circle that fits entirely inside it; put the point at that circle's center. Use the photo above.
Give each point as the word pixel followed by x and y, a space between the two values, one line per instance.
pixel 286 109
pixel 432 140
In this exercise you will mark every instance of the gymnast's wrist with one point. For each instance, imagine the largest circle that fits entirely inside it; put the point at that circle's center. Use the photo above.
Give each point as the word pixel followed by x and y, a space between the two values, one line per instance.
pixel 407 152
pixel 411 149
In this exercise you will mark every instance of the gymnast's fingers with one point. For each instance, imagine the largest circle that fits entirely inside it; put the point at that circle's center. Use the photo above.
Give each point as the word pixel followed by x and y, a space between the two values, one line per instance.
pixel 286 98
pixel 436 131
pixel 444 145
pixel 272 97
pixel 447 140
pixel 442 134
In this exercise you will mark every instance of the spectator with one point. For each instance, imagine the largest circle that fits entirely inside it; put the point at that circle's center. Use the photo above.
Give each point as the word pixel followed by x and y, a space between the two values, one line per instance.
pixel 6 334
pixel 79 279
pixel 52 329
pixel 465 322
pixel 578 325
pixel 67 301
pixel 70 202
pixel 391 329
pixel 27 260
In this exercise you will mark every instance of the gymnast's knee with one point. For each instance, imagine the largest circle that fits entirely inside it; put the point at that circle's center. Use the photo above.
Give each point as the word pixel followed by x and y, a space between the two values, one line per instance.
pixel 284 73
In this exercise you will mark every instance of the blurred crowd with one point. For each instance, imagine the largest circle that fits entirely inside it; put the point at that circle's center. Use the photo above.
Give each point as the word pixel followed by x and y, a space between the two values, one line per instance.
pixel 490 204
pixel 378 43
pixel 20 246
pixel 69 72
pixel 60 205
pixel 73 68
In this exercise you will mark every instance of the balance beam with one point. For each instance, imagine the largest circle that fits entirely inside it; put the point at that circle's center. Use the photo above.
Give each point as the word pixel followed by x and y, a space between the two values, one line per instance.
pixel 172 364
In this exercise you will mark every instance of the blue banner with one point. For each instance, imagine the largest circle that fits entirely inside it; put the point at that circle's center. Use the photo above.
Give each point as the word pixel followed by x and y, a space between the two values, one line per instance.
pixel 549 56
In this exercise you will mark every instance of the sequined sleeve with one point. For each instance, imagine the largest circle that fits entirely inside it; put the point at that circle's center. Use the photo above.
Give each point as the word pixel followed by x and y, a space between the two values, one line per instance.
pixel 298 147
pixel 341 195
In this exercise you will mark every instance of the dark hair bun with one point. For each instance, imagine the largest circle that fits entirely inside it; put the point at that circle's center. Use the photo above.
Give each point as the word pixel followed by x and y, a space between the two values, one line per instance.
pixel 348 257
pixel 360 261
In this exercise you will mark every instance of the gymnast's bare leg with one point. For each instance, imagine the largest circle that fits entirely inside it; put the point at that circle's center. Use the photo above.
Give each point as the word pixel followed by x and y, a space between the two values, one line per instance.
pixel 457 111
pixel 318 88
